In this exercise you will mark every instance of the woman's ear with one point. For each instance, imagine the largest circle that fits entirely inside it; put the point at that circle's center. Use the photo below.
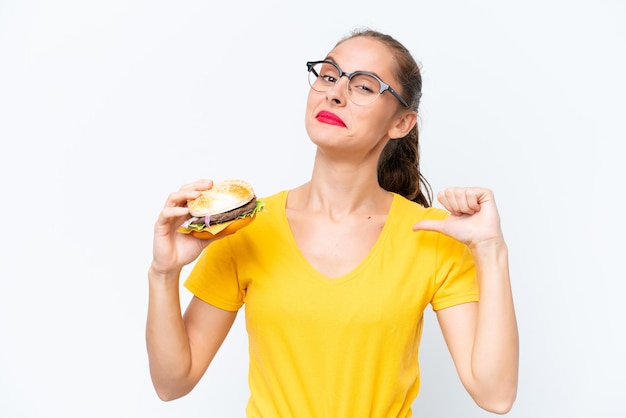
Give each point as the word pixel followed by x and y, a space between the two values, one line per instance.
pixel 403 125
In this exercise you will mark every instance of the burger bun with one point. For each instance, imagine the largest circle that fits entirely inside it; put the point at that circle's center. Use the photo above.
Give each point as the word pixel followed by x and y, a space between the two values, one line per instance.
pixel 227 207
pixel 224 196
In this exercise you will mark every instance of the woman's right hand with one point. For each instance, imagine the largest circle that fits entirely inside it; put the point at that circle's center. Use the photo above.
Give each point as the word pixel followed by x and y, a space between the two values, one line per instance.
pixel 173 250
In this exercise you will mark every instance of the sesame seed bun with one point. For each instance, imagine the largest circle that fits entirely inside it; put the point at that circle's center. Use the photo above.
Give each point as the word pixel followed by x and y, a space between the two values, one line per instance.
pixel 224 196
pixel 222 210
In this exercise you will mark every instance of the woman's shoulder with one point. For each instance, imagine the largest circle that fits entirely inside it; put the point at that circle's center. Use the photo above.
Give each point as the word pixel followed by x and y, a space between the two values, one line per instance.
pixel 274 200
pixel 405 207
pixel 273 207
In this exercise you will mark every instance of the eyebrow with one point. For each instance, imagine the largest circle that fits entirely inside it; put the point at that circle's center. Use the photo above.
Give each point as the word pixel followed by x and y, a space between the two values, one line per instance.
pixel 330 58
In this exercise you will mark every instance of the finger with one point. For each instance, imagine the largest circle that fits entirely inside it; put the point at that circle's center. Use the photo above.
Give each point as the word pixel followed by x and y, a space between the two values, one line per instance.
pixel 180 198
pixel 174 212
pixel 187 192
pixel 471 201
pixel 449 200
pixel 429 225
pixel 171 217
pixel 202 184
pixel 459 201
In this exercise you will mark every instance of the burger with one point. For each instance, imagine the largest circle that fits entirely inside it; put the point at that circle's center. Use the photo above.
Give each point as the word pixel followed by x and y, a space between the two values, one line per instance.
pixel 225 208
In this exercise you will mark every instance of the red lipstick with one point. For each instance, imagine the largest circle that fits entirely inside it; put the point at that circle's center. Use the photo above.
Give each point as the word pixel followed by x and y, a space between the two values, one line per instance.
pixel 329 118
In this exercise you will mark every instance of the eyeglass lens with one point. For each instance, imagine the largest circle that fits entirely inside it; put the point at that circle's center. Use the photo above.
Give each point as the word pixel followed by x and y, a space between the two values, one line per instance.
pixel 362 88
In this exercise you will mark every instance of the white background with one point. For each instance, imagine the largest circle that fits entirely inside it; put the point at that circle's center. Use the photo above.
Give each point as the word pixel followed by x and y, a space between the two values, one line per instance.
pixel 107 106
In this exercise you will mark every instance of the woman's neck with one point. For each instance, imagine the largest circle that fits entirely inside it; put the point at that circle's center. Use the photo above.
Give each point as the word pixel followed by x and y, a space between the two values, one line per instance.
pixel 341 189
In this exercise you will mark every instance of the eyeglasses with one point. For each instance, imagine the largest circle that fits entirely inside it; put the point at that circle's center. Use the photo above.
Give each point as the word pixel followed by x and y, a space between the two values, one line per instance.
pixel 363 87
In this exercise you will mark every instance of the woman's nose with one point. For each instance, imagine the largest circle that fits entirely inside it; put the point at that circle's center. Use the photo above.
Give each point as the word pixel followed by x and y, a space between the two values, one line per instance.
pixel 338 93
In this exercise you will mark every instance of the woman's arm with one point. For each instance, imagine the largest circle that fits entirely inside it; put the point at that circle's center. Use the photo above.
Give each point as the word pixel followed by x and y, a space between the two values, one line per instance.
pixel 179 348
pixel 482 337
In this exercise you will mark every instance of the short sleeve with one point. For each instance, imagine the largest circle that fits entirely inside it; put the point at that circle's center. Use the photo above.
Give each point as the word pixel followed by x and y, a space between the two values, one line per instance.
pixel 455 278
pixel 214 276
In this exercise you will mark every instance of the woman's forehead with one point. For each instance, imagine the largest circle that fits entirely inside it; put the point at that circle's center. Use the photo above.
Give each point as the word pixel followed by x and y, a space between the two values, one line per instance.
pixel 363 54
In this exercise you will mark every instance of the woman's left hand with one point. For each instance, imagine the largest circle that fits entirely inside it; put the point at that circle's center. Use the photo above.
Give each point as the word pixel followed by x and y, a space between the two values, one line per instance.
pixel 473 220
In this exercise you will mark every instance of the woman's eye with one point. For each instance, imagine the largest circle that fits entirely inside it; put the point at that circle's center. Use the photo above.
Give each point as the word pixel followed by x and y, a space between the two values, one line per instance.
pixel 363 88
pixel 364 84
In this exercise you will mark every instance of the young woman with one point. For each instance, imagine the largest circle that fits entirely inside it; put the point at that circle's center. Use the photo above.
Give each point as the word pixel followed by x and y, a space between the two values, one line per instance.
pixel 336 273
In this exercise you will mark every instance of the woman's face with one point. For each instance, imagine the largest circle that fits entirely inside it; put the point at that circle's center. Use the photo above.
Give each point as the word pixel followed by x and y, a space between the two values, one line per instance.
pixel 333 120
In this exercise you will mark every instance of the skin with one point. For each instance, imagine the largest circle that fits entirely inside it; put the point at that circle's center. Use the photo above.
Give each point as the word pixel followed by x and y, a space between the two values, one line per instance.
pixel 336 218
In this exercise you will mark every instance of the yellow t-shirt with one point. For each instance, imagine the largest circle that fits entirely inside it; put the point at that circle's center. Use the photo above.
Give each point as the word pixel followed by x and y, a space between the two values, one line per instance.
pixel 342 347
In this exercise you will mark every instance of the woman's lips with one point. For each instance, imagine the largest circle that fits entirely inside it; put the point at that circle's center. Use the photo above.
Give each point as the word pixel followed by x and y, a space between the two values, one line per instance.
pixel 329 118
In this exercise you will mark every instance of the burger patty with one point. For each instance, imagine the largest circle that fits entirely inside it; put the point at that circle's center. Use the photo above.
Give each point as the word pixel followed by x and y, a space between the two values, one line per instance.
pixel 235 213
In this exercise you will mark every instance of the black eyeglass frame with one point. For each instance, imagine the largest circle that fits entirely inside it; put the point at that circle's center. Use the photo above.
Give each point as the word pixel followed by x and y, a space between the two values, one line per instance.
pixel 383 86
